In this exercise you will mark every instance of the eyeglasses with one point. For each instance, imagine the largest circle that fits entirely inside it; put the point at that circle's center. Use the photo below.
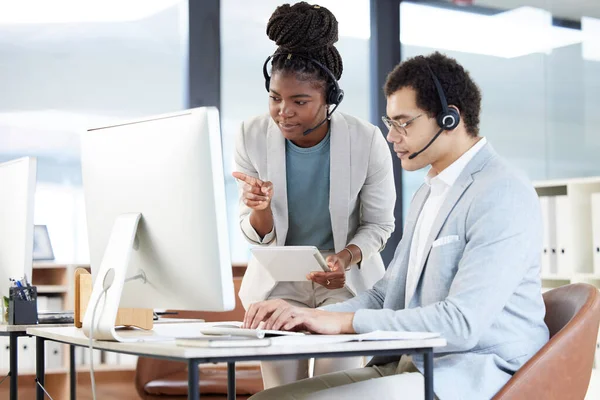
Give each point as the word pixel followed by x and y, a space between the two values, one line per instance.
pixel 401 128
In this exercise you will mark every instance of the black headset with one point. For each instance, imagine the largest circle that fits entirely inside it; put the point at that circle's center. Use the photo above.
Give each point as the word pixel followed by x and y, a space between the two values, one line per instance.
pixel 333 95
pixel 449 117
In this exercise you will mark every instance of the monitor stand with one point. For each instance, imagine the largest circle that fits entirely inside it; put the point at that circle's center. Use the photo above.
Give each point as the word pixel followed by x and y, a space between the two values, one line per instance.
pixel 107 289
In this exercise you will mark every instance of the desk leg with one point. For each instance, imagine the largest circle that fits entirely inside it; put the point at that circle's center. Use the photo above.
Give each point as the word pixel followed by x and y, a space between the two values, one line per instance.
pixel 193 380
pixel 39 366
pixel 14 362
pixel 428 356
pixel 231 381
pixel 72 372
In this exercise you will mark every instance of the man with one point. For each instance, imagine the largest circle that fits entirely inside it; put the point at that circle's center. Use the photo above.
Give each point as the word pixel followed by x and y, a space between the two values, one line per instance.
pixel 467 265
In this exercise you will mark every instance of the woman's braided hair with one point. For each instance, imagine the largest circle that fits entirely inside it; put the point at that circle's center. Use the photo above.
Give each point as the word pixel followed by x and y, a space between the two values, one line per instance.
pixel 308 31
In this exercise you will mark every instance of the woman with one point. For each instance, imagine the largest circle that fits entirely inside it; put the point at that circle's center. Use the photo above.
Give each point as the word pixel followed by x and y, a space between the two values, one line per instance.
pixel 309 176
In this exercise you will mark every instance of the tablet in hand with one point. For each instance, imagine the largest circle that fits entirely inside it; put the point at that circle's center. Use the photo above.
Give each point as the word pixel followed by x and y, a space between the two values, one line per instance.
pixel 290 263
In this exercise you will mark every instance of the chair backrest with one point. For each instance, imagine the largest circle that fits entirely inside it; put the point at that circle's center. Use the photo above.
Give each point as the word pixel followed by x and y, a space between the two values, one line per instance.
pixel 149 369
pixel 562 368
pixel 237 314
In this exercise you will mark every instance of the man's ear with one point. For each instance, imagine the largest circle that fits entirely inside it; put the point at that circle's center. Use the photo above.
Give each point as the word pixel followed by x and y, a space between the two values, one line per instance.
pixel 456 108
pixel 453 107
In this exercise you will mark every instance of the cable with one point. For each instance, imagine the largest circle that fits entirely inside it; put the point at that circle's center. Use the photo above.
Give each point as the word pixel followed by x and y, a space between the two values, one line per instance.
pixel 3 379
pixel 91 344
pixel 109 277
pixel 43 388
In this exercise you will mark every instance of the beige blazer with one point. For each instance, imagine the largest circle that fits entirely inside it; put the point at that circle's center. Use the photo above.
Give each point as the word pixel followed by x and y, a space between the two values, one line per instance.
pixel 361 199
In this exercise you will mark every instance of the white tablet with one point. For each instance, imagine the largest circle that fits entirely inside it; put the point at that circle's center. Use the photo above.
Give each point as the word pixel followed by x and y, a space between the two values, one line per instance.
pixel 290 263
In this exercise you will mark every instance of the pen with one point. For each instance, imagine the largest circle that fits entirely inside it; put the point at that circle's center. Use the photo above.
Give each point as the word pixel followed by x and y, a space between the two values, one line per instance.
pixel 23 294
pixel 15 293
pixel 26 287
pixel 26 281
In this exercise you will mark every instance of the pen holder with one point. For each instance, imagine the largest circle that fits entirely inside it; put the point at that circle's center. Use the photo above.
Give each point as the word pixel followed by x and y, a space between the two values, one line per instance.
pixel 22 306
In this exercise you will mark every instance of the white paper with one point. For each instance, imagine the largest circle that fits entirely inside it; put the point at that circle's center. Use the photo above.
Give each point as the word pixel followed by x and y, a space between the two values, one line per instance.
pixel 371 336
pixel 234 328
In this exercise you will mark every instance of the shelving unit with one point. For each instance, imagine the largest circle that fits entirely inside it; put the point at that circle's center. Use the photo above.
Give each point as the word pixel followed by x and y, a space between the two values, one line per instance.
pixel 575 263
pixel 55 280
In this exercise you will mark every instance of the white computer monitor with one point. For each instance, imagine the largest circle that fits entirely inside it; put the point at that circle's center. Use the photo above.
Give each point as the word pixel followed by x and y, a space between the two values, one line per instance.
pixel 155 204
pixel 17 192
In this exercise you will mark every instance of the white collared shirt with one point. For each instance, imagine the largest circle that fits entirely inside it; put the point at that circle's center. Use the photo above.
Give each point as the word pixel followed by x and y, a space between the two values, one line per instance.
pixel 439 185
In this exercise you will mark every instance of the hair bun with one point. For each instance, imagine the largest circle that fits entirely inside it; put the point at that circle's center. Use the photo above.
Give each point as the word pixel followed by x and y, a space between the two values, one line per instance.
pixel 302 28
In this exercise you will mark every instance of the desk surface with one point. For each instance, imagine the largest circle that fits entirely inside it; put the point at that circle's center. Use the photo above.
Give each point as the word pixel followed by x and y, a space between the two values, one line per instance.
pixel 6 328
pixel 167 348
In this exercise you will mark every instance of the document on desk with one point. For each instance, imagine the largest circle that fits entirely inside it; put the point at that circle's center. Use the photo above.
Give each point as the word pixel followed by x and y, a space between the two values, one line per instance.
pixel 222 341
pixel 234 328
pixel 371 336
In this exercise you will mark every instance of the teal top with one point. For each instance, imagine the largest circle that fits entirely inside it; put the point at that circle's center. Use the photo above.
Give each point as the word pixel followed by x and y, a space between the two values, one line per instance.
pixel 307 173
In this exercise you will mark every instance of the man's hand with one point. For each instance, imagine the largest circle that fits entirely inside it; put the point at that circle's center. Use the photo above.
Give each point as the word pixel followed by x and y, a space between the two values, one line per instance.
pixel 261 311
pixel 335 279
pixel 307 319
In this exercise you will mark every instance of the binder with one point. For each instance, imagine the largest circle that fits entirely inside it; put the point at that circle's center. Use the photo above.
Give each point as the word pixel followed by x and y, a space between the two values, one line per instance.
pixel 128 360
pixel 80 355
pixel 111 358
pixel 548 209
pixel 26 354
pixel 54 354
pixel 4 355
pixel 596 231
pixel 564 236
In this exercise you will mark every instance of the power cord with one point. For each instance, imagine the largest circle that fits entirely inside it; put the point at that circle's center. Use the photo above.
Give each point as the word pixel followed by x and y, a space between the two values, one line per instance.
pixel 109 277
pixel 3 379
pixel 43 388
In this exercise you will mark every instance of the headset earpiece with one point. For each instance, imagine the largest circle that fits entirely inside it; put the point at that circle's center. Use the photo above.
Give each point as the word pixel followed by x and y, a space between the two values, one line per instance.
pixel 448 120
pixel 266 75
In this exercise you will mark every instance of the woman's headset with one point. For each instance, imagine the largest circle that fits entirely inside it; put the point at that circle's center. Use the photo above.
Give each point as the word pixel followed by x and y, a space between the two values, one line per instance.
pixel 333 95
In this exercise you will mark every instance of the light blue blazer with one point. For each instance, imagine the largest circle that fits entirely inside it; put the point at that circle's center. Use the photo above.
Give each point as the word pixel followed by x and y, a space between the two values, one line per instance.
pixel 480 287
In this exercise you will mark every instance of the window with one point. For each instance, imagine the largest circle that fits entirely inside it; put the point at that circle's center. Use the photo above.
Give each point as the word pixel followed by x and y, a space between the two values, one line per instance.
pixel 539 76
pixel 68 67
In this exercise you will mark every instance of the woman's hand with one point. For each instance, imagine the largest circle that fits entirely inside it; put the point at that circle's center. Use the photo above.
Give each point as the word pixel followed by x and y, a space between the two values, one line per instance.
pixel 256 194
pixel 336 279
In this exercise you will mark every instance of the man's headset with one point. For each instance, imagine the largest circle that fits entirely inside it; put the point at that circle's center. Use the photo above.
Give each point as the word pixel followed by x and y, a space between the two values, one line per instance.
pixel 333 94
pixel 447 119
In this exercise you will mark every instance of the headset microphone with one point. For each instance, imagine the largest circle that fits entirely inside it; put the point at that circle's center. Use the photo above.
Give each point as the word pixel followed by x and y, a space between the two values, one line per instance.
pixel 327 118
pixel 413 155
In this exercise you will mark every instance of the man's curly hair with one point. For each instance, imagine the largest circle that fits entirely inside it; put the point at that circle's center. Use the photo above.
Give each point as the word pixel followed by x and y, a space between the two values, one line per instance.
pixel 460 90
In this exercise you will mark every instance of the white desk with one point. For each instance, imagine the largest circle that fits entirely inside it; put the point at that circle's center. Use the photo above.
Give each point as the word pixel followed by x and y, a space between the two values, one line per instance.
pixel 195 356
pixel 14 332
